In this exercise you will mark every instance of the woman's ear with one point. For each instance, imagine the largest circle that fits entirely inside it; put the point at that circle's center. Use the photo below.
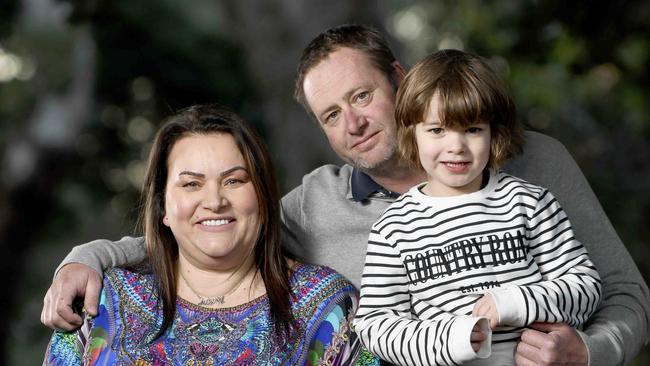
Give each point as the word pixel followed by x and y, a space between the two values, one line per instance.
pixel 166 220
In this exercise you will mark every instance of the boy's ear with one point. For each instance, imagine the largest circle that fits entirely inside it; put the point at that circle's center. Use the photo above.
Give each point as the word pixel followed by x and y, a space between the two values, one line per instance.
pixel 399 72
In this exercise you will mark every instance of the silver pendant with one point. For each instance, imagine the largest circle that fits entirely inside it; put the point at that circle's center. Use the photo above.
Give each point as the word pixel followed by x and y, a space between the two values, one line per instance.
pixel 212 300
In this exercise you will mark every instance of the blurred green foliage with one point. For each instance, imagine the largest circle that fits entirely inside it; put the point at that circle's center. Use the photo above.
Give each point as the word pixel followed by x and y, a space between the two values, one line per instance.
pixel 578 71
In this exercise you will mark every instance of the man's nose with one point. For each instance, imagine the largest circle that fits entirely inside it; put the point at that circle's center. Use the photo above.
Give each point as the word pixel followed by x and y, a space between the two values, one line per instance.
pixel 355 122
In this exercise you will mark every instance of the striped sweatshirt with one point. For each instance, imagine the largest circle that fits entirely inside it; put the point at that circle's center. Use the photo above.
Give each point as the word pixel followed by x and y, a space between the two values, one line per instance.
pixel 430 258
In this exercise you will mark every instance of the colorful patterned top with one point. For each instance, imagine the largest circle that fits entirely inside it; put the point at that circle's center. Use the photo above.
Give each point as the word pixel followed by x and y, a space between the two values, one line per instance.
pixel 123 332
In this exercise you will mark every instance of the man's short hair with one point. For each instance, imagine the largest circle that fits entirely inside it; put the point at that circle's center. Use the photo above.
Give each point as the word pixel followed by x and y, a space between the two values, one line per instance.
pixel 469 91
pixel 359 37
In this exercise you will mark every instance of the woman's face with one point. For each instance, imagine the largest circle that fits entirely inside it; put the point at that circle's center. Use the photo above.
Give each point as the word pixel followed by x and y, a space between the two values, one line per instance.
pixel 210 202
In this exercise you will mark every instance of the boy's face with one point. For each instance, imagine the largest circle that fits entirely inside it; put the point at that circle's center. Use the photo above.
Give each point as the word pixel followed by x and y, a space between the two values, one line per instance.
pixel 453 157
pixel 354 103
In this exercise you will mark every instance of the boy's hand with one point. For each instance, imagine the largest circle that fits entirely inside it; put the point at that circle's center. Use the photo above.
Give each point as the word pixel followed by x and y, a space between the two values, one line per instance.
pixel 477 337
pixel 73 281
pixel 486 307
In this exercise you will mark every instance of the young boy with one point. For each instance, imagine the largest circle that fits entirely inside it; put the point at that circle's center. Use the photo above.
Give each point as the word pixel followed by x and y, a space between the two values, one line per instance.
pixel 459 265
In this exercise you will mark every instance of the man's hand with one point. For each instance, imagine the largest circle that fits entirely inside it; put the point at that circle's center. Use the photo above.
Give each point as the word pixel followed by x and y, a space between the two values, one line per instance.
pixel 550 344
pixel 74 280
pixel 486 307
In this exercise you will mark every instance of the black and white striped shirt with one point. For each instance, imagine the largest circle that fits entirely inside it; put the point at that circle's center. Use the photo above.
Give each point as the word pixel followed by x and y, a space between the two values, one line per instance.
pixel 430 258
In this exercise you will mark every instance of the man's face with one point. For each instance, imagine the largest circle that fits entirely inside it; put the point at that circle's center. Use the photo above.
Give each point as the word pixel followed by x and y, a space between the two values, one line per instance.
pixel 354 103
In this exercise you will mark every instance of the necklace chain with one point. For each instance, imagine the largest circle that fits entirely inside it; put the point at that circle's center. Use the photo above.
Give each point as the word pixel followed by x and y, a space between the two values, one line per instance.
pixel 219 299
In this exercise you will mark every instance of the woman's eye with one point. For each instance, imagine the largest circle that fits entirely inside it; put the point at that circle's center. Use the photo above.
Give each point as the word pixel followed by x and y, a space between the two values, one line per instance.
pixel 437 130
pixel 232 181
pixel 191 184
pixel 474 129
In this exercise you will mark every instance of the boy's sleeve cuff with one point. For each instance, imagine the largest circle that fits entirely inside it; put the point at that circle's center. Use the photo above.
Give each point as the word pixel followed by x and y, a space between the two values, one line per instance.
pixel 460 346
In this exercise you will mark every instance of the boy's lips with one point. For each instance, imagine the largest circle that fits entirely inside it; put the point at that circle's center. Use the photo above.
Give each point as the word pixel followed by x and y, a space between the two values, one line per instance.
pixel 456 166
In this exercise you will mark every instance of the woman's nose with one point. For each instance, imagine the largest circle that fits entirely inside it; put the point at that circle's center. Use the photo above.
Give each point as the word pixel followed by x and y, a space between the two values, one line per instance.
pixel 214 200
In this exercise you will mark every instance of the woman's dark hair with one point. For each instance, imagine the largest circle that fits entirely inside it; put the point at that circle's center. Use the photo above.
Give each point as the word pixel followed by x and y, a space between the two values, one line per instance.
pixel 161 246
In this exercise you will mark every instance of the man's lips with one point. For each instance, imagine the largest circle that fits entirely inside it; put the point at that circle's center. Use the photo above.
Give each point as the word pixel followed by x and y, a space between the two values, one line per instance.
pixel 367 138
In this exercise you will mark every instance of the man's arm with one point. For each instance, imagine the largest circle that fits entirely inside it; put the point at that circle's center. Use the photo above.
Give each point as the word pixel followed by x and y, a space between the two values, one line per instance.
pixel 619 328
pixel 79 276
pixel 103 254
pixel 292 224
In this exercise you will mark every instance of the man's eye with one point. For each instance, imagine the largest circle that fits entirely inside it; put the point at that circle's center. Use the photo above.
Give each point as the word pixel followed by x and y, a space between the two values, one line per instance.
pixel 332 116
pixel 362 96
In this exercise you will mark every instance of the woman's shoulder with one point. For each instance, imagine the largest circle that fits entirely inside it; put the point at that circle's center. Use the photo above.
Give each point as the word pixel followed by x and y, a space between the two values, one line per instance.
pixel 315 281
pixel 136 285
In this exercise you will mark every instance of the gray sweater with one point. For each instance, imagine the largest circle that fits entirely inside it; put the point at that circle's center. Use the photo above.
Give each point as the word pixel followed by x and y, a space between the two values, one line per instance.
pixel 328 227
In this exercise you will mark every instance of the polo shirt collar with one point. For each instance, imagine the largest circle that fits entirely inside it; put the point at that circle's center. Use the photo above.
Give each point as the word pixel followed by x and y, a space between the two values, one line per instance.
pixel 363 187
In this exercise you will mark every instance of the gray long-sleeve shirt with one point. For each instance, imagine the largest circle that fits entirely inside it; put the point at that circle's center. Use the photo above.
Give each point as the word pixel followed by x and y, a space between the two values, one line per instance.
pixel 329 227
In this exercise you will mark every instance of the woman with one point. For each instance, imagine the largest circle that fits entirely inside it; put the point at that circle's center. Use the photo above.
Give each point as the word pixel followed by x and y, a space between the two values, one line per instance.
pixel 217 288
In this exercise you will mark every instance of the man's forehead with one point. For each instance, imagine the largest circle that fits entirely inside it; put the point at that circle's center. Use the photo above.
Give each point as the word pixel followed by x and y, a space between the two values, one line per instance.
pixel 334 76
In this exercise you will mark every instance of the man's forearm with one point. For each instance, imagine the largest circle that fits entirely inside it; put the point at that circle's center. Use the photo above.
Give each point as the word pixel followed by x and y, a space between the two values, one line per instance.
pixel 102 254
pixel 619 328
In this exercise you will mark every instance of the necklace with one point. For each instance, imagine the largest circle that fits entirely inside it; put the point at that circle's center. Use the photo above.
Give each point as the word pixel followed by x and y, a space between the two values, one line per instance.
pixel 219 299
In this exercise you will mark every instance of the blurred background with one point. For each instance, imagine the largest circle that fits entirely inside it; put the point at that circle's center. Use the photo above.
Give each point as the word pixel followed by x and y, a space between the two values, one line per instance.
pixel 84 85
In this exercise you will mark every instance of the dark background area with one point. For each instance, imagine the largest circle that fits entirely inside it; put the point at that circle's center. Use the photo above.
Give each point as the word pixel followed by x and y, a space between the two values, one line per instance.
pixel 84 85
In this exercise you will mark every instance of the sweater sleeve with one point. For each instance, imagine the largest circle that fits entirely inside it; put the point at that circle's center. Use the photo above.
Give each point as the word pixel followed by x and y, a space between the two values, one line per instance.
pixel 103 254
pixel 292 223
pixel 570 289
pixel 385 324
pixel 621 324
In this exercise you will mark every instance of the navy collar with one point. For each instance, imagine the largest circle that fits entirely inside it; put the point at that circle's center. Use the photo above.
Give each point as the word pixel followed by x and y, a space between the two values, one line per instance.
pixel 363 187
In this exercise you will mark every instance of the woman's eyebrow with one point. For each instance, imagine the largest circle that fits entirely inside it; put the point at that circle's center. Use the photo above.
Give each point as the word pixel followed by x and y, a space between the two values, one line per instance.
pixel 222 174
pixel 238 167
pixel 193 174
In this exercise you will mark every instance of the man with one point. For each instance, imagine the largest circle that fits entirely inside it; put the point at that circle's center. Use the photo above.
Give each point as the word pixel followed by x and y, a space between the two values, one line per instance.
pixel 347 80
